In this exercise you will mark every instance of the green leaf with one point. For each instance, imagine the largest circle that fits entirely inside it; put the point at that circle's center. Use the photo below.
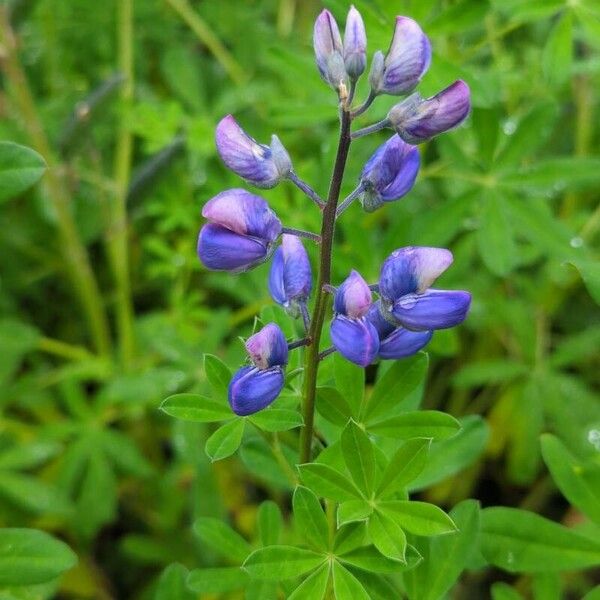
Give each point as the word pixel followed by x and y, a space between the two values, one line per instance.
pixel 217 580
pixel 196 408
pixel 346 586
pixel 368 558
pixel 327 482
pixel 451 456
pixel 33 495
pixel 333 406
pixel 589 270
pixel 269 523
pixel 446 556
pixel 520 541
pixel 420 518
pixel 222 539
pixel 275 563
pixel 350 537
pixel 579 483
pixel 557 56
pixel 359 457
pixel 396 386
pixel 423 423
pixel 16 339
pixel 28 557
pixel 218 375
pixel 277 419
pixel 172 584
pixel 225 440
pixel 353 510
pixel 495 237
pixel 309 518
pixel 350 382
pixel 405 465
pixel 593 594
pixel 20 168
pixel 387 536
pixel 313 587
pixel 28 456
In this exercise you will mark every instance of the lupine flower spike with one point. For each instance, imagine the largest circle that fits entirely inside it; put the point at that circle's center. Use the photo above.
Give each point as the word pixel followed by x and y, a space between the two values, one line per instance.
pixel 354 337
pixel 253 388
pixel 407 299
pixel 240 232
pixel 263 166
pixel 290 278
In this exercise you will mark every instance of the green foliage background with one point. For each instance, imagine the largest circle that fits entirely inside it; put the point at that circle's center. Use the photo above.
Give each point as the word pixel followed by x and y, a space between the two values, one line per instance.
pixel 84 452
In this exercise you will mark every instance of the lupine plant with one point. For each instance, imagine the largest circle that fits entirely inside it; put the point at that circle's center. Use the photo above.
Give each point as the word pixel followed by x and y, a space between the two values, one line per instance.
pixel 368 520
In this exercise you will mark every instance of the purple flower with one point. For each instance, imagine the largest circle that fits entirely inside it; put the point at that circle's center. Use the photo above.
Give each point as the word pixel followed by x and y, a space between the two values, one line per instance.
pixel 405 63
pixel 264 166
pixel 253 388
pixel 290 278
pixel 417 120
pixel 389 174
pixel 352 334
pixel 240 232
pixel 407 299
pixel 355 44
pixel 353 297
pixel 396 342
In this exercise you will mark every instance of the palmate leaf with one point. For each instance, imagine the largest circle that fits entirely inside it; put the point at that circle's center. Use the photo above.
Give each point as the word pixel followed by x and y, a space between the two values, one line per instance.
pixel 423 423
pixel 274 563
pixel 172 584
pixel 217 580
pixel 420 518
pixel 359 457
pixel 405 465
pixel 350 382
pixel 313 587
pixel 276 419
pixel 222 538
pixel 269 523
pixel 218 375
pixel 309 518
pixel 28 557
pixel 523 542
pixel 20 168
pixel 387 536
pixel 196 408
pixel 327 482
pixel 346 586
pixel 225 440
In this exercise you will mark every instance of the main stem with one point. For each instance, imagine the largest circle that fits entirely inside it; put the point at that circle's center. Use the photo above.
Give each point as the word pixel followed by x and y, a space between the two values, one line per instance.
pixel 311 359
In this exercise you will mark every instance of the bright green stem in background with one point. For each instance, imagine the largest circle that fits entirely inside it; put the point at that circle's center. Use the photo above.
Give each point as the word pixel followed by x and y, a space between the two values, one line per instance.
pixel 206 35
pixel 311 357
pixel 73 250
pixel 116 235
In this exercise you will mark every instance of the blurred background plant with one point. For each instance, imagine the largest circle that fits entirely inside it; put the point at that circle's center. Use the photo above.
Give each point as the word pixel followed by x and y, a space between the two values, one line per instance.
pixel 105 309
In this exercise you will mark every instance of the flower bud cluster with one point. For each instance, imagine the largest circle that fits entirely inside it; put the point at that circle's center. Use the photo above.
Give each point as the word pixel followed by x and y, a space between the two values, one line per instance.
pixel 242 231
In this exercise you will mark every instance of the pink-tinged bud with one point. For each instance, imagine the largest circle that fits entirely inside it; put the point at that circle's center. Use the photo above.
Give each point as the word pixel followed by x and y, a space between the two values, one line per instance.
pixel 268 347
pixel 329 51
pixel 355 44
pixel 405 63
pixel 264 166
pixel 417 120
pixel 353 298
pixel 389 174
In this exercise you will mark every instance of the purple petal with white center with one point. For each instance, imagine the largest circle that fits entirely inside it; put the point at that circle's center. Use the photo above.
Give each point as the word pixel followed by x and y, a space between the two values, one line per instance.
pixel 268 347
pixel 254 162
pixel 407 59
pixel 355 339
pixel 417 120
pixel 403 342
pixel 326 41
pixel 290 277
pixel 353 298
pixel 244 213
pixel 220 249
pixel 435 309
pixel 252 389
pixel 391 171
pixel 412 269
pixel 355 44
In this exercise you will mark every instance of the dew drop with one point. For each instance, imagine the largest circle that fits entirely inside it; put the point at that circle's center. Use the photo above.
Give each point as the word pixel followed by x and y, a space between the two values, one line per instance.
pixel 509 126
pixel 593 438
pixel 576 242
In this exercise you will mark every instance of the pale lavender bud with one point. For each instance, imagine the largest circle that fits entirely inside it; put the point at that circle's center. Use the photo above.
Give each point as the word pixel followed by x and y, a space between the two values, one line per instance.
pixel 417 120
pixel 353 298
pixel 268 347
pixel 355 44
pixel 264 166
pixel 389 174
pixel 329 51
pixel 405 63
